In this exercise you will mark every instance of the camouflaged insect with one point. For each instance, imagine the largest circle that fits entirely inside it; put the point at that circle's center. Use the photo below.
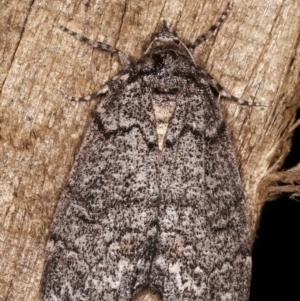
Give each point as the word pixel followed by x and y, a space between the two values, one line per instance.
pixel 154 203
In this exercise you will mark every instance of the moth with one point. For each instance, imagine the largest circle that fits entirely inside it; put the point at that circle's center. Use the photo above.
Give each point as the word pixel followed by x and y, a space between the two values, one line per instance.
pixel 154 205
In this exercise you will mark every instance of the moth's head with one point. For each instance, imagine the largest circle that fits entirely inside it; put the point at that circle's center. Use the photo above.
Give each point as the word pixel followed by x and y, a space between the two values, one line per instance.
pixel 167 42
pixel 165 35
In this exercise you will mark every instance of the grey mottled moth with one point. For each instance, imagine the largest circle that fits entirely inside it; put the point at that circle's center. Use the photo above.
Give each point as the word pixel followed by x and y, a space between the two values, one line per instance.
pixel 154 203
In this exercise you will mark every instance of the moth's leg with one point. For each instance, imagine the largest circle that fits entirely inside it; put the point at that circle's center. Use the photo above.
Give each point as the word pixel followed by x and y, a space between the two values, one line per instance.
pixel 96 44
pixel 217 24
pixel 103 91
pixel 222 93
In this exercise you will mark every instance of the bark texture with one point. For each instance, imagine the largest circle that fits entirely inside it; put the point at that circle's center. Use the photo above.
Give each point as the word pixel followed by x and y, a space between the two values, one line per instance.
pixel 255 54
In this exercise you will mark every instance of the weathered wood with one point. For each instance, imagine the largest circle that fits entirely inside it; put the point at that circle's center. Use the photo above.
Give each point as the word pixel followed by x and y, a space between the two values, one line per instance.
pixel 254 55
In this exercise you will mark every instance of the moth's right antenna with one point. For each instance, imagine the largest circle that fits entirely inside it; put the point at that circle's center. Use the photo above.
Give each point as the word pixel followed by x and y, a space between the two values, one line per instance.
pixel 217 24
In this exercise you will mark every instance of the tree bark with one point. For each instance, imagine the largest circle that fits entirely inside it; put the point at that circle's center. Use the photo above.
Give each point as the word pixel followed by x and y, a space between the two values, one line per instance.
pixel 253 55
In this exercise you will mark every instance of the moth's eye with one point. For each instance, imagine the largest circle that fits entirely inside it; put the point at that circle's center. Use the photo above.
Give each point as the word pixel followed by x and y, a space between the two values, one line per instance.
pixel 173 54
pixel 157 58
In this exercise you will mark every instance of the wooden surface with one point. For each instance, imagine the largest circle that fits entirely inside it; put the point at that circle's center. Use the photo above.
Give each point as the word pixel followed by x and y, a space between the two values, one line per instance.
pixel 254 55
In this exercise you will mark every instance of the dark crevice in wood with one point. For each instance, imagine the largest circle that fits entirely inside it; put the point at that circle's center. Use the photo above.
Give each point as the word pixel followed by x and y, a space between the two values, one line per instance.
pixel 293 158
pixel 276 259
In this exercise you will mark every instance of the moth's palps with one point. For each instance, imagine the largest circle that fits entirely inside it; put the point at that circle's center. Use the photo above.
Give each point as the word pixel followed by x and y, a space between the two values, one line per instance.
pixel 154 204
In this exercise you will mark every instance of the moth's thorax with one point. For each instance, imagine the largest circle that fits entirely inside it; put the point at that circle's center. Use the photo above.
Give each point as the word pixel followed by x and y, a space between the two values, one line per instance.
pixel 168 60
pixel 165 66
